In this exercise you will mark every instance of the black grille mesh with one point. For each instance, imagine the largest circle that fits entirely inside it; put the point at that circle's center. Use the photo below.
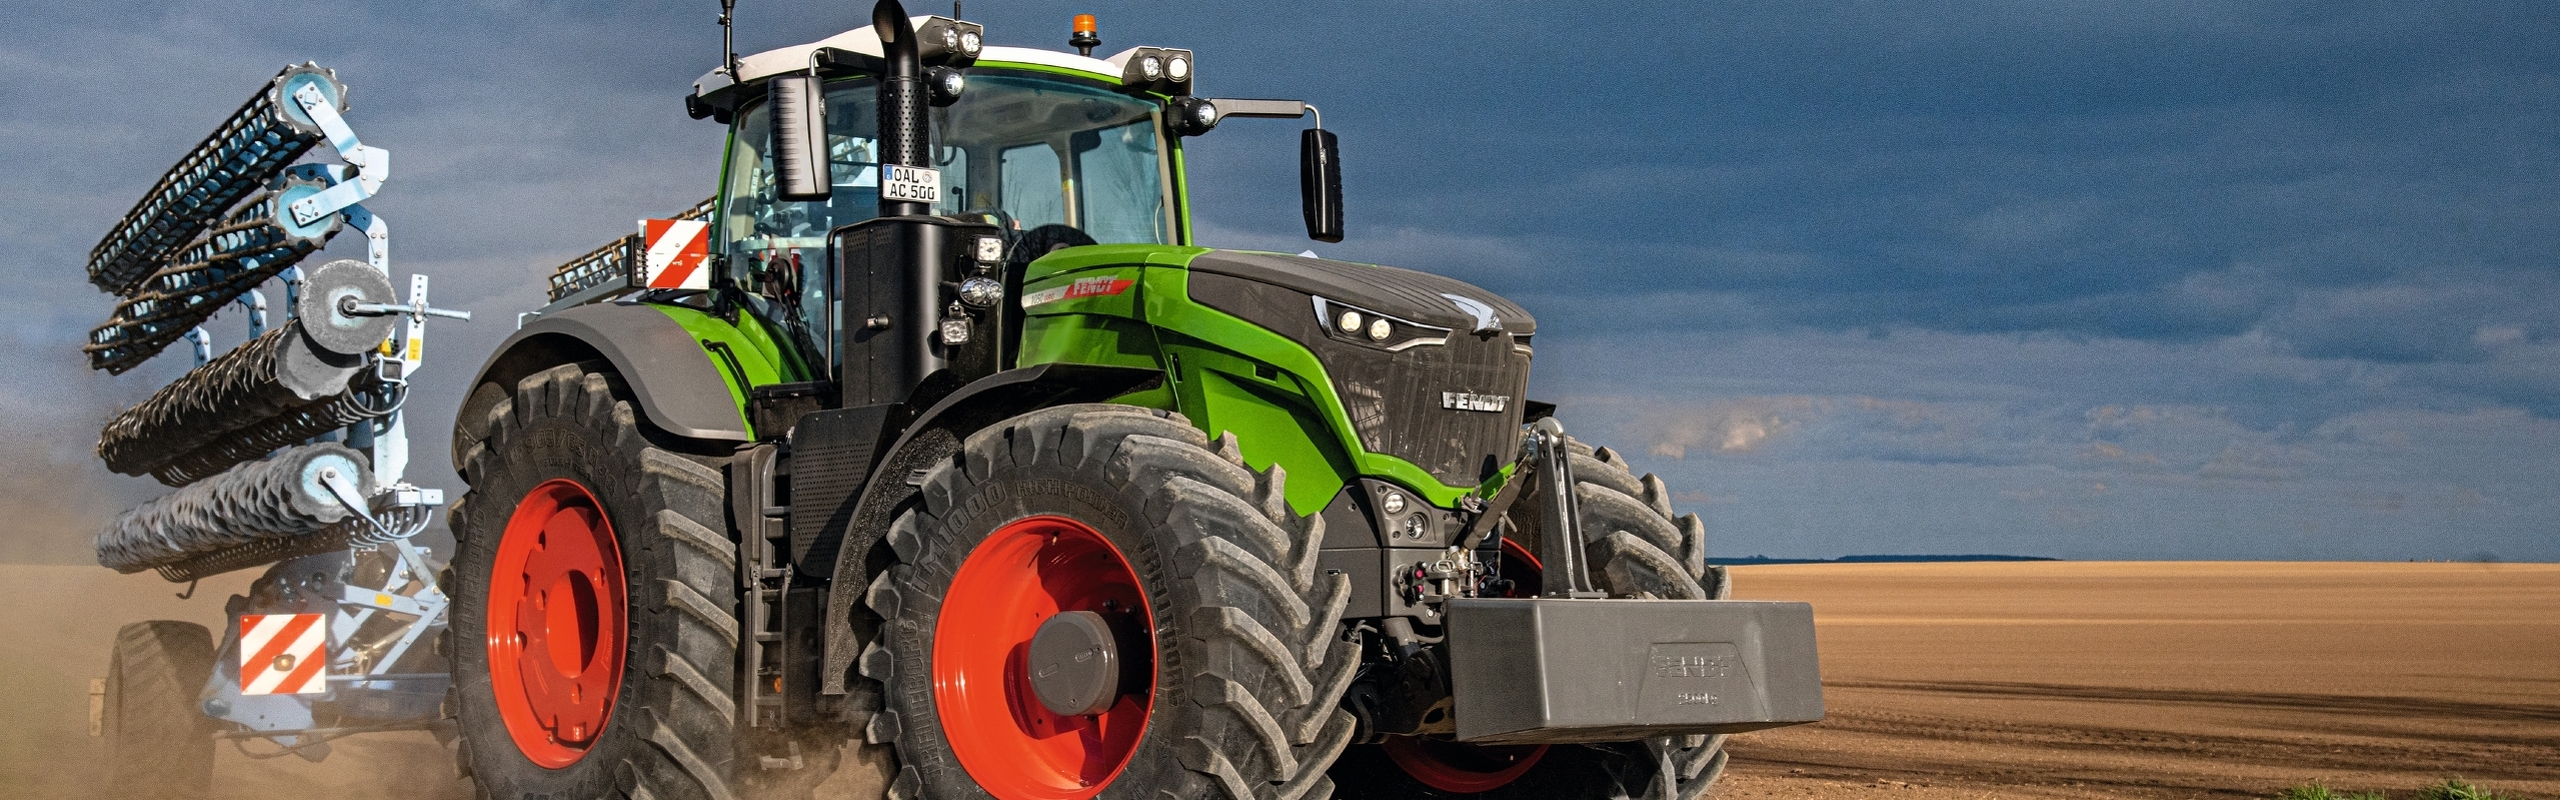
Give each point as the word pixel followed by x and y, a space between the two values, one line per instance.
pixel 1394 398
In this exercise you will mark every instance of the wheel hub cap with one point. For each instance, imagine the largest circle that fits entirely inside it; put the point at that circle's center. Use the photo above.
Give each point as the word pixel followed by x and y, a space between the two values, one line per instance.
pixel 1075 664
pixel 556 623
pixel 1043 664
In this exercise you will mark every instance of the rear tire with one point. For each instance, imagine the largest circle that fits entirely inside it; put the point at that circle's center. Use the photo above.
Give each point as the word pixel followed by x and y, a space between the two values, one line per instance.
pixel 1636 548
pixel 161 745
pixel 578 498
pixel 1243 674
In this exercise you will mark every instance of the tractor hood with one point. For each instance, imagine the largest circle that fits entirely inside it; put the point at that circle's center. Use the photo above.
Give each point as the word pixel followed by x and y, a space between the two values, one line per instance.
pixel 1402 293
pixel 1428 369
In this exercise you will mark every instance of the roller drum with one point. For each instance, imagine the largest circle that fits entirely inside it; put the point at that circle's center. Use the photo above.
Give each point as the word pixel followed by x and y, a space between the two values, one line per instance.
pixel 282 497
pixel 328 291
pixel 248 151
pixel 300 371
pixel 368 397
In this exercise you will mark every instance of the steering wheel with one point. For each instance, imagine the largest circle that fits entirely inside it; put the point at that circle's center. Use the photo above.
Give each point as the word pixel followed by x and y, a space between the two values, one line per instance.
pixel 1042 241
pixel 993 216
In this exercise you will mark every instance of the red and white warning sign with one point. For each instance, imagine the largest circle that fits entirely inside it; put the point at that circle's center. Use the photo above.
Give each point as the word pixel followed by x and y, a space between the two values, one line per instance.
pixel 283 653
pixel 673 252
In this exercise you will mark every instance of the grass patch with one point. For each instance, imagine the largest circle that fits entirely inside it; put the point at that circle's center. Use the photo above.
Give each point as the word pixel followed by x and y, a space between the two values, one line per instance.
pixel 2450 789
pixel 2456 789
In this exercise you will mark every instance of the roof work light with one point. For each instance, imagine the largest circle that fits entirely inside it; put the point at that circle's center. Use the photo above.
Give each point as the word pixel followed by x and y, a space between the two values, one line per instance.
pixel 1156 69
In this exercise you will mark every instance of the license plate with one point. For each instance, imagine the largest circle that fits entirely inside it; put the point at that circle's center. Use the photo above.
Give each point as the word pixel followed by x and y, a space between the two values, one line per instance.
pixel 1462 401
pixel 910 184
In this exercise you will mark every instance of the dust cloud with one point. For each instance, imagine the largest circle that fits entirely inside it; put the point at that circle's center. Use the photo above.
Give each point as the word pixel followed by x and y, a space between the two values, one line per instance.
pixel 57 626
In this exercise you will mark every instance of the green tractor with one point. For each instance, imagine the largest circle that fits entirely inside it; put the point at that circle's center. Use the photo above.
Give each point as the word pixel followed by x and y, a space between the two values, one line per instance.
pixel 945 448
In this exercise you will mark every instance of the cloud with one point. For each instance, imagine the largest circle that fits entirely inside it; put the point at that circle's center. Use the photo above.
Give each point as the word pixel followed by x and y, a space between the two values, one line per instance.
pixel 1868 279
pixel 1928 435
pixel 1729 428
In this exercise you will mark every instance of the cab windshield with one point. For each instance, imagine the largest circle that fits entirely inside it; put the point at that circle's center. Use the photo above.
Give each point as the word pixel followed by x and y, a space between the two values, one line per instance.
pixel 1053 161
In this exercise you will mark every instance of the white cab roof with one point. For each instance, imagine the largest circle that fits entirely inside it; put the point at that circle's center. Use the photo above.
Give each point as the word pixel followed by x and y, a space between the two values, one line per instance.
pixel 861 40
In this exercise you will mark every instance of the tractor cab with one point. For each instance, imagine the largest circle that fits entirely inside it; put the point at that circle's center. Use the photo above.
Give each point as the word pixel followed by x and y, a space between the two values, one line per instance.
pixel 1051 161
pixel 1053 150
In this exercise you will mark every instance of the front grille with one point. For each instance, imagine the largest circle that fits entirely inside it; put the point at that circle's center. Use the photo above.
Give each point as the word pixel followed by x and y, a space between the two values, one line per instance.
pixel 1394 401
pixel 1394 398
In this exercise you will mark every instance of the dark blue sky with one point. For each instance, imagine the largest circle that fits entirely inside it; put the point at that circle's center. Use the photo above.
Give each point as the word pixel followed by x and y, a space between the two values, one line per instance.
pixel 2121 280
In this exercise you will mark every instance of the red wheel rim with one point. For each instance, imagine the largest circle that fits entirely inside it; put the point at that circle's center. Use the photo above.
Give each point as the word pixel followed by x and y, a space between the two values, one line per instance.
pixel 1466 768
pixel 555 623
pixel 1023 574
pixel 1462 768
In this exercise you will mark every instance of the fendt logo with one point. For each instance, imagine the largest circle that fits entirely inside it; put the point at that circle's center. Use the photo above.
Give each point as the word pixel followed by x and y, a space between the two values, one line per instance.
pixel 1463 401
pixel 1078 289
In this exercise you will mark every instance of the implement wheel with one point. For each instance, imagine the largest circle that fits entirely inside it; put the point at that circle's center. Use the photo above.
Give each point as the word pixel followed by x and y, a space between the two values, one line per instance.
pixel 1636 548
pixel 595 603
pixel 1096 601
pixel 162 746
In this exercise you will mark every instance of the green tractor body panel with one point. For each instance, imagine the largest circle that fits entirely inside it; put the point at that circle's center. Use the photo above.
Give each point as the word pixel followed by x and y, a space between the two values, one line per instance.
pixel 743 352
pixel 1131 305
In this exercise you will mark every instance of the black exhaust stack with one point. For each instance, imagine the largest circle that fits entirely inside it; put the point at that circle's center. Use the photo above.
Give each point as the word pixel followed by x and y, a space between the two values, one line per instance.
pixel 905 336
pixel 905 137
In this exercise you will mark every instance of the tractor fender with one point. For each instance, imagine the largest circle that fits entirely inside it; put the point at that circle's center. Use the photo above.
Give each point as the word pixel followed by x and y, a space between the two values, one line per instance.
pixel 935 435
pixel 680 390
pixel 1003 395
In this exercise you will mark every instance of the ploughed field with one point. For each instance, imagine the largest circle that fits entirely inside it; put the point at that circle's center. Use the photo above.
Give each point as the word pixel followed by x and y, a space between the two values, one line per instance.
pixel 2167 679
pixel 2039 679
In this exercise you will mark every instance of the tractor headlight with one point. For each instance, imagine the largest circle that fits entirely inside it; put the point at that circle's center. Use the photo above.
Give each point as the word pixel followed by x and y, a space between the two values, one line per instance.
pixel 981 292
pixel 1157 69
pixel 943 86
pixel 955 327
pixel 950 42
pixel 1192 116
pixel 1343 322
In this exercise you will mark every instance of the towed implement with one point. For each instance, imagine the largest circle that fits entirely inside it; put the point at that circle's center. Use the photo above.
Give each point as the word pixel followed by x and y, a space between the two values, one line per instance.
pixel 287 452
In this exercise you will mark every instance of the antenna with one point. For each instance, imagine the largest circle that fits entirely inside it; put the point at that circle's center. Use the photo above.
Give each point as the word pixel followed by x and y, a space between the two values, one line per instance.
pixel 728 49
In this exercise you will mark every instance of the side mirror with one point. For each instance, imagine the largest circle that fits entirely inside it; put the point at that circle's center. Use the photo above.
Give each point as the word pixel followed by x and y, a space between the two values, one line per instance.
pixel 799 111
pixel 1320 183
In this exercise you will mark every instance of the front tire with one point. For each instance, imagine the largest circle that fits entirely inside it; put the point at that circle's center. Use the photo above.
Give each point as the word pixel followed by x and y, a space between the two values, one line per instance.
pixel 594 617
pixel 161 745
pixel 1636 548
pixel 1131 514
